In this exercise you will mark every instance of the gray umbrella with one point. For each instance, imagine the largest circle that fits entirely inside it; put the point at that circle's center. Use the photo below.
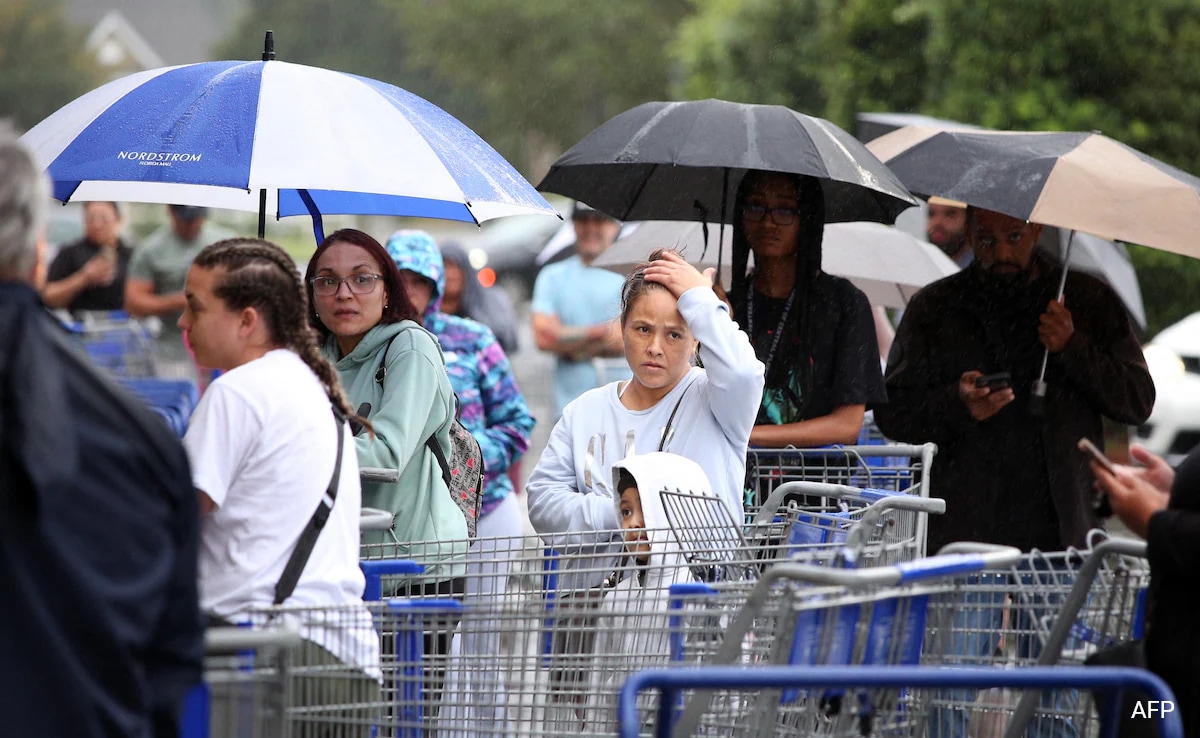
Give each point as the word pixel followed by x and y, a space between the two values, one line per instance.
pixel 1103 259
pixel 684 160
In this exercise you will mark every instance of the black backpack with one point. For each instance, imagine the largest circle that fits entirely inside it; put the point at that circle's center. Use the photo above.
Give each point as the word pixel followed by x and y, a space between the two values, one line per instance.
pixel 463 470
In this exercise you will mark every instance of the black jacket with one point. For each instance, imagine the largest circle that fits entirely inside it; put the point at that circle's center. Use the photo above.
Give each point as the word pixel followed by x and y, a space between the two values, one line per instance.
pixel 100 627
pixel 1173 639
pixel 1005 479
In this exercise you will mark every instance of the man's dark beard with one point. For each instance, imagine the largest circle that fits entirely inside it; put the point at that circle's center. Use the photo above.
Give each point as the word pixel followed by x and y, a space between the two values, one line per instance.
pixel 1013 287
pixel 952 247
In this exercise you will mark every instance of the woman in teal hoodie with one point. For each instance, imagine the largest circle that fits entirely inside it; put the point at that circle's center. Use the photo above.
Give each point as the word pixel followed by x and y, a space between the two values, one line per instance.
pixel 386 360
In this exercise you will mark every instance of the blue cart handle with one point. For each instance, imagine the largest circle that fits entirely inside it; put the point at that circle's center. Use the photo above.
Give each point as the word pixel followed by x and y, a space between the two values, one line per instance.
pixel 374 571
pixel 672 681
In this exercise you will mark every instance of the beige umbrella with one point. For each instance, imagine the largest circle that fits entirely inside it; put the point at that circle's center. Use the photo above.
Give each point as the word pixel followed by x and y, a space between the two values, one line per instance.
pixel 1076 181
pixel 887 264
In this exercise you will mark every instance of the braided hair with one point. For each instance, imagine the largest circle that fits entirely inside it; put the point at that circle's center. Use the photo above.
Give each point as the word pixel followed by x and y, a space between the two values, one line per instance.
pixel 257 273
pixel 811 199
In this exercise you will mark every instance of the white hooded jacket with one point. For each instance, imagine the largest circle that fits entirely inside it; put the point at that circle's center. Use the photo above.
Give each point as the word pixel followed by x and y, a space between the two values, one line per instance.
pixel 633 620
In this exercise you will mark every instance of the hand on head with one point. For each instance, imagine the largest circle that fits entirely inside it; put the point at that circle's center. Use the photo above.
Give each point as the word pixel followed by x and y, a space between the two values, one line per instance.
pixel 982 402
pixel 674 272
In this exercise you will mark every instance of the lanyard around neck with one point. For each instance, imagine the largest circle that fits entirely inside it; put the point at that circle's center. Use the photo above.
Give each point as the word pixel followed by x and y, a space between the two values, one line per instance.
pixel 787 310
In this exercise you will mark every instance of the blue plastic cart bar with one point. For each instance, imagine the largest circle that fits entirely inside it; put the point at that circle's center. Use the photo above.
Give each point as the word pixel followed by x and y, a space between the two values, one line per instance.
pixel 672 681
pixel 375 571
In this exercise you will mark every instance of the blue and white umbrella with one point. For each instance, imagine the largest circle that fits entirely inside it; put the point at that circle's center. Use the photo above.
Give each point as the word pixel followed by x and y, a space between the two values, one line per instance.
pixel 276 138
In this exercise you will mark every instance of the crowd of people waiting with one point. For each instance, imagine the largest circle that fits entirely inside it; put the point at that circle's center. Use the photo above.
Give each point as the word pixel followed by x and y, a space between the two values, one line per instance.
pixel 363 361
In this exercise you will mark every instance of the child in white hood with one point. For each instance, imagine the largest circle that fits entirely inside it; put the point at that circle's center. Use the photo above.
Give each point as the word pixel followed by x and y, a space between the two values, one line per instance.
pixel 674 526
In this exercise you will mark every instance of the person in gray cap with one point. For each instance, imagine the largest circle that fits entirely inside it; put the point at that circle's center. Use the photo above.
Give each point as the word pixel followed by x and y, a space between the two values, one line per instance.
pixel 575 306
pixel 157 272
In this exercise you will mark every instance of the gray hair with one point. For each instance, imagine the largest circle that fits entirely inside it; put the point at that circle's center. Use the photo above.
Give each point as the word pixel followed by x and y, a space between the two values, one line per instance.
pixel 24 195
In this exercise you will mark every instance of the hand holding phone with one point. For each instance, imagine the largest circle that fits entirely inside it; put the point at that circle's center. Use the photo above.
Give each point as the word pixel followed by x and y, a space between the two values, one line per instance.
pixel 1090 448
pixel 996 381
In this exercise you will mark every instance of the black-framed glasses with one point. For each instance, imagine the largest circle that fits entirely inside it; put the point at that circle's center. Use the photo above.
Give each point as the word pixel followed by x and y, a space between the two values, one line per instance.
pixel 360 284
pixel 779 216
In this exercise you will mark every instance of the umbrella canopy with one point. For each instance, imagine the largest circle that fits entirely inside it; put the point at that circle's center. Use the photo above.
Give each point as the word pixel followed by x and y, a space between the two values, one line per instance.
pixel 313 140
pixel 871 126
pixel 684 160
pixel 1105 260
pixel 887 264
pixel 1078 181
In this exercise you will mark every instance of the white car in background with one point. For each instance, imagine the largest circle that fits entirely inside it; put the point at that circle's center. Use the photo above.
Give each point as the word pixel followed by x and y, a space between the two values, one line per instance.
pixel 1174 360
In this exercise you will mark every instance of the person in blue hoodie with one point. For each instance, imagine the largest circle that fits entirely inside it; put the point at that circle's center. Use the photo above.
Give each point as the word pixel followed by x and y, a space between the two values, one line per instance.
pixel 493 409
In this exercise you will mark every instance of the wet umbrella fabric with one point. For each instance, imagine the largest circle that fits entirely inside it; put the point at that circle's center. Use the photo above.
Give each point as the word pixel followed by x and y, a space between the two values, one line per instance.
pixel 315 140
pixel 888 265
pixel 684 160
pixel 1078 181
pixel 1106 260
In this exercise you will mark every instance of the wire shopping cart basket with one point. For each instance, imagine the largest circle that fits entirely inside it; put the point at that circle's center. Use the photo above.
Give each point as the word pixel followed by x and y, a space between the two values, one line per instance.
pixel 114 342
pixel 1048 608
pixel 540 652
pixel 887 466
pixel 820 522
pixel 804 615
pixel 245 685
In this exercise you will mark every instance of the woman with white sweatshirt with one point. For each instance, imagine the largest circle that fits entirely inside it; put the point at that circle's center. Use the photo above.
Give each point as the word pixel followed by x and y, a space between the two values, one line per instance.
pixel 670 315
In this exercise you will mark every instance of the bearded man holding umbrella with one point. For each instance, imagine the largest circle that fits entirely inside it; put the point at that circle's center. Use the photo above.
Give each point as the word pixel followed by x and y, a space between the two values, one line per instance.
pixel 1010 474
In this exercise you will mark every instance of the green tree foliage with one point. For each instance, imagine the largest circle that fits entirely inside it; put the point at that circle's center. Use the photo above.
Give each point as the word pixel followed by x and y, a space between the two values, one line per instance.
pixel 546 73
pixel 530 77
pixel 830 58
pixel 43 63
pixel 758 51
pixel 370 41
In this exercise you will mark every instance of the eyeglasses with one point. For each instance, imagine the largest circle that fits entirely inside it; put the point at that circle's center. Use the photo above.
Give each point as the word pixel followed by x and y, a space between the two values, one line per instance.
pixel 779 216
pixel 360 284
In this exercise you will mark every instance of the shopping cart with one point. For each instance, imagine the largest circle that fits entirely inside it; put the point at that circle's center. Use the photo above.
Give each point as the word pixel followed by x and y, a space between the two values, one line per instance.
pixel 114 342
pixel 1049 608
pixel 172 399
pixel 804 615
pixel 565 622
pixel 245 685
pixel 822 522
pixel 673 683
pixel 885 466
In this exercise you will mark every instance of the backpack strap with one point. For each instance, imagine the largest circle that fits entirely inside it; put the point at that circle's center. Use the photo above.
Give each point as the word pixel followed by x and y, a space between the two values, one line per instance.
pixel 308 537
pixel 431 443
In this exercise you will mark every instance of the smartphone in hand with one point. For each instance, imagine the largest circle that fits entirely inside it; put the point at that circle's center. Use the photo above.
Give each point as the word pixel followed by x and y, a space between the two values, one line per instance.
pixel 1088 447
pixel 996 381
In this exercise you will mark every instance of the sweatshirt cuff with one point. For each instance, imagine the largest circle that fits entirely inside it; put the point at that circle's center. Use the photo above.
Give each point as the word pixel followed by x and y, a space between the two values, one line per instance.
pixel 697 299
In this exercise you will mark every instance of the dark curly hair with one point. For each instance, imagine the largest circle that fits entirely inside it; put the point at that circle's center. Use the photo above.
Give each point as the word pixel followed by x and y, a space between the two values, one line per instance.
pixel 398 306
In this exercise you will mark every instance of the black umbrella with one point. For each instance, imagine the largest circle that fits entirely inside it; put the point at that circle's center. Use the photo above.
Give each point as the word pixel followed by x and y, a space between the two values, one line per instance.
pixel 684 160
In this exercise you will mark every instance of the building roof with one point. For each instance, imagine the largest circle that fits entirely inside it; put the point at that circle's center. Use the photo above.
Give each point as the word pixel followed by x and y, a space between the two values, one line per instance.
pixel 176 31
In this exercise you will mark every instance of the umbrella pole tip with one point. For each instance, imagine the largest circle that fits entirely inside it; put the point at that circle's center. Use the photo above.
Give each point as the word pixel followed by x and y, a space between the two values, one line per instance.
pixel 269 46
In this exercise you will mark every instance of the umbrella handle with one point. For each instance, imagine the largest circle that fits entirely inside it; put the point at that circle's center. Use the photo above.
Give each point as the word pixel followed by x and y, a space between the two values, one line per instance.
pixel 1038 396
